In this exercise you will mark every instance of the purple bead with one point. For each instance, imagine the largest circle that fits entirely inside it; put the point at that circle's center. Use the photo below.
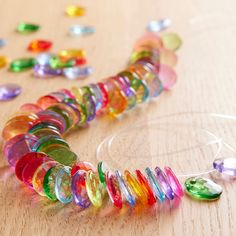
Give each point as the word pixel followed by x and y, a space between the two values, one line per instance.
pixel 164 183
pixel 226 166
pixel 9 91
pixel 46 71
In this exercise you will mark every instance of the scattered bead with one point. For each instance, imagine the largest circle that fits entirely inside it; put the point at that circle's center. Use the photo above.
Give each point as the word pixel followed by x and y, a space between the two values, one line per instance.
pixel 75 11
pixel 226 166
pixel 2 42
pixel 79 30
pixel 3 61
pixel 46 71
pixel 77 72
pixel 171 41
pixel 69 54
pixel 9 91
pixel 39 46
pixel 22 64
pixel 158 25
pixel 26 28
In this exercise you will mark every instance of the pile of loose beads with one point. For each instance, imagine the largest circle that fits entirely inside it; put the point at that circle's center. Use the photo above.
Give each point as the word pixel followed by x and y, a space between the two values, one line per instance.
pixel 35 147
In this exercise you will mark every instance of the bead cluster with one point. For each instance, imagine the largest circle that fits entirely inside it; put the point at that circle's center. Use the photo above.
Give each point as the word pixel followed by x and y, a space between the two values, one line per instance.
pixel 42 159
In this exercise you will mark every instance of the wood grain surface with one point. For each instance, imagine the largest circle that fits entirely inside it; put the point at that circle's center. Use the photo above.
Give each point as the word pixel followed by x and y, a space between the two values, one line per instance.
pixel 206 83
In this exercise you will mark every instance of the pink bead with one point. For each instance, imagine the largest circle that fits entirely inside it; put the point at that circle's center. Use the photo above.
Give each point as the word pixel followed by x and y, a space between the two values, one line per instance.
pixel 167 76
pixel 30 107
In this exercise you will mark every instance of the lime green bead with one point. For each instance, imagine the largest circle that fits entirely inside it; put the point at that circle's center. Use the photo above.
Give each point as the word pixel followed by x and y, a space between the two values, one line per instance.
pixel 25 28
pixel 22 64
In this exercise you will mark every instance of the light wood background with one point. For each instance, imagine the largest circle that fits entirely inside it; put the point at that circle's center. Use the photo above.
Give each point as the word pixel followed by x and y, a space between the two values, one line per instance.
pixel 206 73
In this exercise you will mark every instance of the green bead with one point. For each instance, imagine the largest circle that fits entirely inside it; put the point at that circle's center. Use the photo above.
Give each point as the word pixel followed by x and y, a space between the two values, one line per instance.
pixel 202 188
pixel 171 41
pixel 27 28
pixel 102 169
pixel 22 64
pixel 56 63
pixel 135 56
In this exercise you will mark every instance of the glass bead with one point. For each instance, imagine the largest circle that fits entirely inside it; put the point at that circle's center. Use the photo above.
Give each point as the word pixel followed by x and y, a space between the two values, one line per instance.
pixel 105 99
pixel 3 61
pixel 46 71
pixel 9 91
pixel 2 42
pixel 18 146
pixel 39 174
pixel 113 189
pixel 146 187
pixel 102 169
pixel 74 73
pixel 31 167
pixel 22 64
pixel 43 59
pixel 94 188
pixel 46 101
pixel 24 160
pixel 79 189
pixel 30 107
pixel 80 30
pixel 69 54
pixel 155 186
pixel 171 41
pixel 226 166
pixel 68 93
pixel 75 11
pixel 136 187
pixel 98 96
pixel 56 63
pixel 26 28
pixel 164 183
pixel 167 76
pixel 39 45
pixel 158 25
pixel 168 57
pixel 126 192
pixel 202 188
pixel 174 182
pixel 82 165
pixel 63 185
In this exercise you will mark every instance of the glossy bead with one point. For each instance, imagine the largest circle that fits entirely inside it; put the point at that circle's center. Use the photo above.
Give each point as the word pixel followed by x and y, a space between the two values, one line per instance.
pixel 98 96
pixel 82 165
pixel 80 30
pixel 2 42
pixel 202 188
pixel 126 192
pixel 56 63
pixel 155 186
pixel 69 54
pixel 171 41
pixel 102 169
pixel 164 183
pixel 46 101
pixel 79 189
pixel 226 166
pixel 146 187
pixel 167 76
pixel 63 185
pixel 174 182
pixel 30 107
pixel 39 174
pixel 9 91
pixel 26 28
pixel 39 46
pixel 136 187
pixel 46 71
pixel 168 57
pixel 105 99
pixel 158 25
pixel 3 61
pixel 73 73
pixel 43 59
pixel 22 64
pixel 113 189
pixel 75 11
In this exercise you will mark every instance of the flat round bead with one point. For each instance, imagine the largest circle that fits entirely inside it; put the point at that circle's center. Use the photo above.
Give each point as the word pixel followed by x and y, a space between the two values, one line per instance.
pixel 113 189
pixel 146 187
pixel 155 186
pixel 39 45
pixel 126 192
pixel 18 146
pixel 82 165
pixel 102 169
pixel 22 64
pixel 202 188
pixel 98 96
pixel 46 101
pixel 75 11
pixel 174 182
pixel 167 76
pixel 226 166
pixel 26 28
pixel 171 41
pixel 9 91
pixel 30 107
pixel 3 61
pixel 94 188
pixel 164 183
pixel 136 187
pixel 39 174
pixel 104 95
pixel 79 189
pixel 63 185
pixel 168 57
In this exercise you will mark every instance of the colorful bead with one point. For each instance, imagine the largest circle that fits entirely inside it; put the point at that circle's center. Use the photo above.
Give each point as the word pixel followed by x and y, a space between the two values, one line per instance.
pixel 79 189
pixel 164 183
pixel 98 96
pixel 126 192
pixel 113 189
pixel 22 64
pixel 226 166
pixel 30 107
pixel 77 72
pixel 9 91
pixel 26 28
pixel 80 30
pixel 167 76
pixel 168 57
pixel 82 165
pixel 3 61
pixel 39 46
pixel 62 186
pixel 69 54
pixel 102 169
pixel 56 63
pixel 155 186
pixel 171 41
pixel 202 188
pixel 46 71
pixel 2 42
pixel 75 11
pixel 158 25
pixel 43 59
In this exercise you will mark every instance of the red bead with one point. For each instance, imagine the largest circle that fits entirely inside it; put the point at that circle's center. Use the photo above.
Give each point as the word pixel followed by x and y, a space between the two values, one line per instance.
pixel 104 95
pixel 39 46
pixel 82 165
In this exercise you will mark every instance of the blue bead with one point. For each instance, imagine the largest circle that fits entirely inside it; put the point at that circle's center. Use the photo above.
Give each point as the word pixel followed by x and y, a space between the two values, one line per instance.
pixel 79 30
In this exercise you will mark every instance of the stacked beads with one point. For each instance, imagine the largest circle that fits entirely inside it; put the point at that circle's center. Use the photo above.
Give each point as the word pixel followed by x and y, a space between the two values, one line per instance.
pixel 35 147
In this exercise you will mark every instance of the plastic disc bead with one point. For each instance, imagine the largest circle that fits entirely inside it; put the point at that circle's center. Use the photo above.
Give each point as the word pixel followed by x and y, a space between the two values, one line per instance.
pixel 146 187
pixel 167 76
pixel 79 189
pixel 125 189
pixel 39 174
pixel 202 188
pixel 9 91
pixel 113 189
pixel 168 57
pixel 94 188
pixel 155 186
pixel 26 28
pixel 82 165
pixel 226 166
pixel 171 41
pixel 164 183
pixel 63 185
pixel 136 187
pixel 174 182
pixel 30 107
pixel 22 64
pixel 102 169
pixel 39 46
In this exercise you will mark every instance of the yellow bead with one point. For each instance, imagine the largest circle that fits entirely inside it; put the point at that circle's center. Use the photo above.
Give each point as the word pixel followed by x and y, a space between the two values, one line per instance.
pixel 134 184
pixel 75 11
pixel 71 54
pixel 3 61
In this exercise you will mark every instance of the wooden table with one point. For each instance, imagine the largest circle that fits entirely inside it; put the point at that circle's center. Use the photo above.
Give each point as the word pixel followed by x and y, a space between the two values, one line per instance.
pixel 206 74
